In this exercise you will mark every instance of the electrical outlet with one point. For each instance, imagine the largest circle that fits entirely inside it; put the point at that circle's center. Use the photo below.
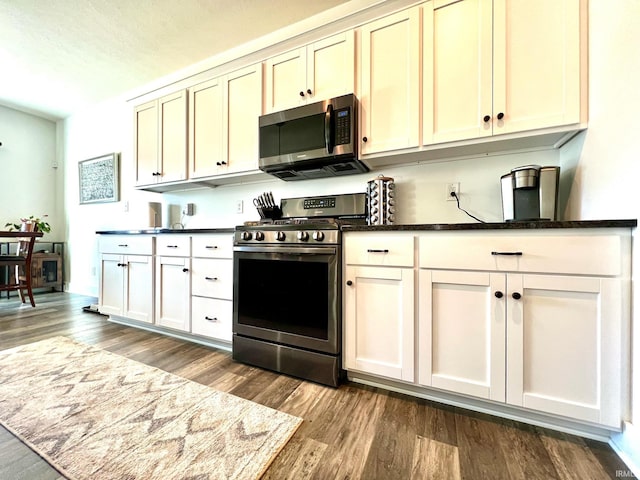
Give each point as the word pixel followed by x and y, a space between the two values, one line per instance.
pixel 452 188
pixel 239 206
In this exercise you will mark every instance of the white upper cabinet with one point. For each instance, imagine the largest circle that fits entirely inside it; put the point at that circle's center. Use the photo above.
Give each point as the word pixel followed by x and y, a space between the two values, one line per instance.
pixel 160 139
pixel 390 83
pixel 492 68
pixel 223 123
pixel 321 70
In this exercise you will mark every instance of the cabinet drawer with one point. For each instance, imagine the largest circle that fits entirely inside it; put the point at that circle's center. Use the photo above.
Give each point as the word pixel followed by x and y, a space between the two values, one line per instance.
pixel 173 245
pixel 126 244
pixel 583 255
pixel 212 246
pixel 212 278
pixel 211 317
pixel 383 250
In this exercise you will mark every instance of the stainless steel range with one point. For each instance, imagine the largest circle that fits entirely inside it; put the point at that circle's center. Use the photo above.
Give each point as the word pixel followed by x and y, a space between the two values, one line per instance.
pixel 287 302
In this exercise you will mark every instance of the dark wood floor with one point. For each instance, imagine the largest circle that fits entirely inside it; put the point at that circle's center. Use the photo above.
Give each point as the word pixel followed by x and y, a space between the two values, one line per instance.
pixel 348 433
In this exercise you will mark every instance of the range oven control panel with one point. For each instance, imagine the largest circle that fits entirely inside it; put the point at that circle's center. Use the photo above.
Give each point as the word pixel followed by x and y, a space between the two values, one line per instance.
pixel 270 235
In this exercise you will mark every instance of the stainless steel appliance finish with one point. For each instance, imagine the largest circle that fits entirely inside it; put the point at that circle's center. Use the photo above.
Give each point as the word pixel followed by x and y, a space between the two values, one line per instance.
pixel 382 201
pixel 530 193
pixel 287 303
pixel 311 141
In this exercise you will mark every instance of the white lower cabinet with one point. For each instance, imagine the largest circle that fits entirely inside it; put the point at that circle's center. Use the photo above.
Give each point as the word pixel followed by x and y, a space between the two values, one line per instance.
pixel 531 319
pixel 126 277
pixel 173 284
pixel 378 305
pixel 550 343
pixel 212 286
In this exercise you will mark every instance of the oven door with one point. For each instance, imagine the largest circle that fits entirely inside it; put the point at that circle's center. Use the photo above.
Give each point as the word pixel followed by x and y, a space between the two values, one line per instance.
pixel 288 295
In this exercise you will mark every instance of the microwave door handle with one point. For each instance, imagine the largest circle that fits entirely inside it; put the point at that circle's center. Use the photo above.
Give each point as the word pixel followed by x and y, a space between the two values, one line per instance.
pixel 328 117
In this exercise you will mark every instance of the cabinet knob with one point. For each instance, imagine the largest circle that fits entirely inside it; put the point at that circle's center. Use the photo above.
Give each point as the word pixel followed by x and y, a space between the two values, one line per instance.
pixel 516 296
pixel 301 93
pixel 349 282
pixel 309 91
pixel 223 162
pixel 486 118
pixel 185 269
pixel 499 294
pixel 500 116
pixel 365 139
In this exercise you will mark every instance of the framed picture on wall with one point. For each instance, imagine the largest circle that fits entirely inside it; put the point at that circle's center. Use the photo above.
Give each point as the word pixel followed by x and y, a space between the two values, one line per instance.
pixel 98 179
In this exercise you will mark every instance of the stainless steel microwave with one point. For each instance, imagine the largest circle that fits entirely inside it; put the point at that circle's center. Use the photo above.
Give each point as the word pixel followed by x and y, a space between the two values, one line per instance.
pixel 311 141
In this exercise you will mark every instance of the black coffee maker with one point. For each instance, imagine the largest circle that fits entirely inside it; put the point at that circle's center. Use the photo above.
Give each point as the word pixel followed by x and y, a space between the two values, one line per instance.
pixel 530 193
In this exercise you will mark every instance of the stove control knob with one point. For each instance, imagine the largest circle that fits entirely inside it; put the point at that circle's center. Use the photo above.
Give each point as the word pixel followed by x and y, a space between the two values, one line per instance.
pixel 280 236
pixel 259 236
pixel 303 236
pixel 318 236
pixel 246 236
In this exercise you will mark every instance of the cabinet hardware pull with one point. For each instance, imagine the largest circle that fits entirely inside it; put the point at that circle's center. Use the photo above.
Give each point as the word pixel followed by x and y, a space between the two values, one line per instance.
pixel 518 254
pixel 516 296
pixel 486 118
pixel 185 269
pixel 301 93
pixel 349 282
pixel 499 294
pixel 211 319
pixel 309 91
pixel 500 116
pixel 211 278
pixel 365 139
pixel 172 246
pixel 373 250
pixel 123 245
pixel 211 246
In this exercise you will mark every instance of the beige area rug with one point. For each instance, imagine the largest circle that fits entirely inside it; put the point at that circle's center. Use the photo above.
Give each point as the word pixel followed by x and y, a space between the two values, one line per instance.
pixel 96 415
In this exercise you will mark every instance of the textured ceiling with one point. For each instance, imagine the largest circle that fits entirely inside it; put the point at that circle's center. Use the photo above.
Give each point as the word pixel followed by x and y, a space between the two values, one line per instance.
pixel 58 56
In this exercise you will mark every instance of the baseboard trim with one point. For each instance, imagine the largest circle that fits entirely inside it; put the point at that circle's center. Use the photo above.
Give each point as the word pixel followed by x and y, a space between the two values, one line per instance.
pixel 627 445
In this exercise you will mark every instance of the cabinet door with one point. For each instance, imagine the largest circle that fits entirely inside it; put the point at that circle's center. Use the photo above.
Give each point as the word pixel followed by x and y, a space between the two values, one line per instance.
pixel 390 89
pixel 379 321
pixel 285 84
pixel 536 63
pixel 173 292
pixel 457 70
pixel 243 107
pixel 173 137
pixel 111 284
pixel 330 67
pixel 138 288
pixel 212 277
pixel 146 142
pixel 206 128
pixel 563 346
pixel 461 341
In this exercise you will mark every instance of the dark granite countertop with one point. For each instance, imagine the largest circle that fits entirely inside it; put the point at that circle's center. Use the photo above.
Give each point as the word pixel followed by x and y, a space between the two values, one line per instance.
pixel 533 225
pixel 155 231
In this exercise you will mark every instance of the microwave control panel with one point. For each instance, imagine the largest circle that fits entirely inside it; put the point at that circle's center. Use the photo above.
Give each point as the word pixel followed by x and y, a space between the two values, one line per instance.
pixel 343 126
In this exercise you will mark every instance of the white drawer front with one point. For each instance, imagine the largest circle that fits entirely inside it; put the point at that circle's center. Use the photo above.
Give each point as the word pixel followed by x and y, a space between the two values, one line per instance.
pixel 211 317
pixel 126 244
pixel 173 245
pixel 384 250
pixel 212 278
pixel 585 255
pixel 219 245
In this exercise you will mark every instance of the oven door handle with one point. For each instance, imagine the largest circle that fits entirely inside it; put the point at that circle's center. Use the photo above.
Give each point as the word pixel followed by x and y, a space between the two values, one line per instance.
pixel 288 250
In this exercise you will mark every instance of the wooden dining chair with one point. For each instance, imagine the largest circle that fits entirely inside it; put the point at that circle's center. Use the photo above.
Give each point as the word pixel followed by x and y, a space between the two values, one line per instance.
pixel 18 276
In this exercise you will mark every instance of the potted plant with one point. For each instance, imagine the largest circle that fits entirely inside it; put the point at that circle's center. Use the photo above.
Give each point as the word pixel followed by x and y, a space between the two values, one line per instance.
pixel 31 224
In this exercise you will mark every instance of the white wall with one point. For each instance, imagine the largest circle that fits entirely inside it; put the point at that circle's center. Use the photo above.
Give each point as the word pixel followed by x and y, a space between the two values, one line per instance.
pixel 29 182
pixel 599 179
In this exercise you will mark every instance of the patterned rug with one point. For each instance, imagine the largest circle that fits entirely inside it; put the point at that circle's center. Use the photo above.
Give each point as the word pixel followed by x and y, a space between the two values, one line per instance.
pixel 95 415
